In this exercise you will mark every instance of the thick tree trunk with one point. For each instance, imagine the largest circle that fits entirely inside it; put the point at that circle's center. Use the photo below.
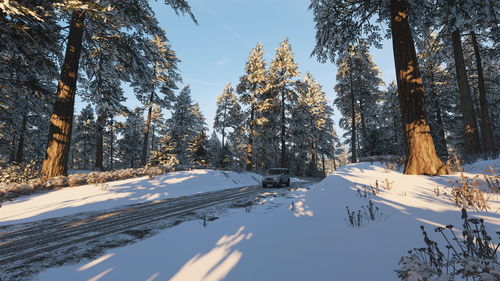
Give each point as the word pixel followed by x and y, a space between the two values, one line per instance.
pixel 144 153
pixel 485 122
pixel 61 120
pixel 283 131
pixel 354 158
pixel 472 145
pixel 421 157
pixel 20 144
pixel 99 147
pixel 250 141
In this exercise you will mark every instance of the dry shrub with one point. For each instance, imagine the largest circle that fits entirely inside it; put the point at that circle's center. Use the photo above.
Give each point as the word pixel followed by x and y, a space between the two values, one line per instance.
pixel 466 193
pixel 19 173
pixel 77 179
pixel 455 163
pixel 56 182
pixel 493 180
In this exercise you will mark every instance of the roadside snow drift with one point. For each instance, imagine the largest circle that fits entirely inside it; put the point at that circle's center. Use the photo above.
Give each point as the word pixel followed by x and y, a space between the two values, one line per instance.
pixel 302 236
pixel 93 197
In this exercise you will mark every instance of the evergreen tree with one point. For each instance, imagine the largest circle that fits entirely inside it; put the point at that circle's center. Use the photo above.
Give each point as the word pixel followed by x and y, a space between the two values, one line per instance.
pixel 134 21
pixel 251 87
pixel 342 23
pixel 84 134
pixel 283 72
pixel 358 79
pixel 185 124
pixel 131 141
pixel 228 114
pixel 214 150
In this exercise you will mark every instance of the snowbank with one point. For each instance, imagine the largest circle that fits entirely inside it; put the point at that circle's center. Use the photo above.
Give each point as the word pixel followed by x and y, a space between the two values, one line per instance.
pixel 93 197
pixel 303 236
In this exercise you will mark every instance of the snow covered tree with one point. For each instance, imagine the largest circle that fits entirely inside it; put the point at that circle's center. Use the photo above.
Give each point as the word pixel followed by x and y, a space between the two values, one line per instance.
pixel 311 129
pixel 198 149
pixel 342 23
pixel 214 150
pixel 83 148
pixel 228 114
pixel 252 85
pixel 164 77
pixel 283 73
pixel 389 116
pixel 131 141
pixel 185 124
pixel 358 80
pixel 112 19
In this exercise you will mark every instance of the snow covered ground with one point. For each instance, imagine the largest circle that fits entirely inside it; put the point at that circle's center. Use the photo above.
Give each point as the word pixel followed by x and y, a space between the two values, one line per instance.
pixel 94 197
pixel 304 236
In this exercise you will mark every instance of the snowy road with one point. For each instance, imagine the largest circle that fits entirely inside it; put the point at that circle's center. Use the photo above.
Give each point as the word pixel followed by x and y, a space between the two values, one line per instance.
pixel 57 241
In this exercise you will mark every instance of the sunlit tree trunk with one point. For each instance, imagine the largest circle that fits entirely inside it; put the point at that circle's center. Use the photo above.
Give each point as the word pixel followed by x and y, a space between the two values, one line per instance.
pixel 250 140
pixel 61 120
pixel 421 156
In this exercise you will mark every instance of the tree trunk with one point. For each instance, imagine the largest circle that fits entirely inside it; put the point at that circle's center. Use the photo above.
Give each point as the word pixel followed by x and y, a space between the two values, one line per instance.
pixel 354 158
pixel 283 131
pixel 144 153
pixel 421 157
pixel 471 136
pixel 20 144
pixel 363 129
pixel 323 163
pixel 250 140
pixel 111 142
pixel 99 151
pixel 485 122
pixel 61 120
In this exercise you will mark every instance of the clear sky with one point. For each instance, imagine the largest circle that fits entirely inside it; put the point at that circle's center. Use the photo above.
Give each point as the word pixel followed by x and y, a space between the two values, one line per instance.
pixel 214 53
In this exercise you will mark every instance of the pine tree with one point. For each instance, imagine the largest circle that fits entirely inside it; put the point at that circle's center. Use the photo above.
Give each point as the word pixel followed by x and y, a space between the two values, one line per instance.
pixel 121 20
pixel 228 114
pixel 283 72
pixel 198 149
pixel 83 149
pixel 185 124
pixel 252 85
pixel 358 79
pixel 131 140
pixel 341 23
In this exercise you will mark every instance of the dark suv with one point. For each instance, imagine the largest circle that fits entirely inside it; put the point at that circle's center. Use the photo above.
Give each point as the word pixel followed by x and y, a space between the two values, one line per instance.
pixel 276 177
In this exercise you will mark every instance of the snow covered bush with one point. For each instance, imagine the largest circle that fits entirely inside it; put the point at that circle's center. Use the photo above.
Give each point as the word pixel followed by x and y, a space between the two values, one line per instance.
pixel 18 173
pixel 466 193
pixel 473 255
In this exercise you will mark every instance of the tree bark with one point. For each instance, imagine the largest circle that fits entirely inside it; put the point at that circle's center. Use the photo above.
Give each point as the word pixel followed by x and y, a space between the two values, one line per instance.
pixel 250 141
pixel 354 158
pixel 99 150
pixel 111 142
pixel 61 120
pixel 422 158
pixel 283 131
pixel 20 144
pixel 471 136
pixel 485 122
pixel 144 153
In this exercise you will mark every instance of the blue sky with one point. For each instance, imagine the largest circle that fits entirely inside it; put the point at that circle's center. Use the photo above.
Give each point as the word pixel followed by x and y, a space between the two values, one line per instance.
pixel 214 53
